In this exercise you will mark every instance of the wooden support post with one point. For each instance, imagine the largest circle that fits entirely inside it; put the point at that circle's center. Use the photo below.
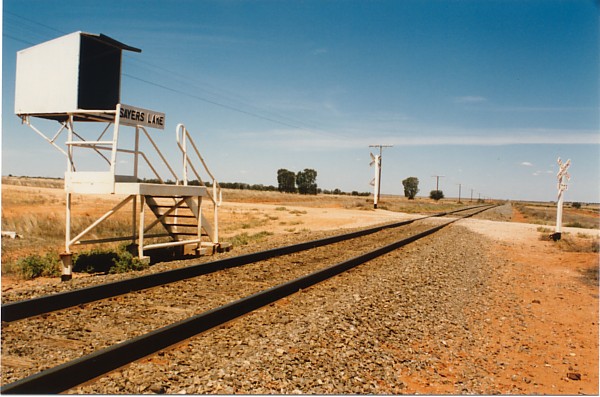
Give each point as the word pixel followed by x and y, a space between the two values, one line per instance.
pixel 67 266
pixel 66 257
pixel 199 219
pixel 215 237
pixel 135 174
pixel 134 221
pixel 141 227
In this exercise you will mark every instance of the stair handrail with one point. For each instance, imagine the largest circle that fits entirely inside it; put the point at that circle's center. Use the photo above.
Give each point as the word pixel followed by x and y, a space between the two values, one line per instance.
pixel 96 146
pixel 183 136
pixel 139 152
pixel 164 160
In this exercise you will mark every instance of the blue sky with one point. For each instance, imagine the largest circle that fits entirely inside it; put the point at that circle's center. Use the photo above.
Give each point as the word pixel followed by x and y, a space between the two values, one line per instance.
pixel 487 93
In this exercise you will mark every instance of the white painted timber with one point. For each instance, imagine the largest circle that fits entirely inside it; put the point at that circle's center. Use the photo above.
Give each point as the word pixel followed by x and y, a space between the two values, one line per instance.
pixel 47 76
pixel 89 182
pixel 70 73
pixel 153 189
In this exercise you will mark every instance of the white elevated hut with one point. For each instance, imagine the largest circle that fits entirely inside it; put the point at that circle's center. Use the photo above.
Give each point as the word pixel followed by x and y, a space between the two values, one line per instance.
pixel 76 79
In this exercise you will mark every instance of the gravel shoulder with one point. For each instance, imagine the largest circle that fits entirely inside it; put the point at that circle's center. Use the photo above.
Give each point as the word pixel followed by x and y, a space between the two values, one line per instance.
pixel 541 332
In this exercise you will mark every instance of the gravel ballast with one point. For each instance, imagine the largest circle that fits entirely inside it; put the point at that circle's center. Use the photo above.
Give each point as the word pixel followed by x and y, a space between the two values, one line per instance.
pixel 370 330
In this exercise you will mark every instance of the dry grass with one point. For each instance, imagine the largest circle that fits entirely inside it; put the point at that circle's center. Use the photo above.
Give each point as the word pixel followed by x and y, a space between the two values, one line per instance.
pixel 35 209
pixel 392 203
pixel 587 217
pixel 577 243
pixel 571 243
pixel 53 183
pixel 591 275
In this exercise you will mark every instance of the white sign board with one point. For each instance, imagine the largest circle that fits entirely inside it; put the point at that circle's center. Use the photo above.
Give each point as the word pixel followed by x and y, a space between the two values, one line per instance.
pixel 130 115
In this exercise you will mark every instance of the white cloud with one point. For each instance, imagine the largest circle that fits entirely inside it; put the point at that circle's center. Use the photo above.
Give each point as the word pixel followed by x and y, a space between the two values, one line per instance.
pixel 540 109
pixel 360 135
pixel 469 99
pixel 527 164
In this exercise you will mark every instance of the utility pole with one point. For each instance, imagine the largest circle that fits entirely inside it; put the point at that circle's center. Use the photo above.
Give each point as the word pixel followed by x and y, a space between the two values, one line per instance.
pixel 437 182
pixel 459 187
pixel 471 195
pixel 377 181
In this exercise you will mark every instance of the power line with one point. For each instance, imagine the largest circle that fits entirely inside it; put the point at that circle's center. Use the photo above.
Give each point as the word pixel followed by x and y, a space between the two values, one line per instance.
pixel 17 39
pixel 231 96
pixel 212 102
pixel 35 22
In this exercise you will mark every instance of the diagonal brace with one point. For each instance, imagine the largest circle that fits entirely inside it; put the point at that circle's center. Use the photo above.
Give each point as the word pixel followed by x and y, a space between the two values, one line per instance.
pixel 100 220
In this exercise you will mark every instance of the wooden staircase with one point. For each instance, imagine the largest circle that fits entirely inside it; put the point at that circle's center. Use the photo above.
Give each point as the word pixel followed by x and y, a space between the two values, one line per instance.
pixel 185 225
pixel 182 218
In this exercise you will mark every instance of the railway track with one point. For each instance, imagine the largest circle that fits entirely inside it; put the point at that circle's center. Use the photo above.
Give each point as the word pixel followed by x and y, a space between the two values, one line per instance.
pixel 147 341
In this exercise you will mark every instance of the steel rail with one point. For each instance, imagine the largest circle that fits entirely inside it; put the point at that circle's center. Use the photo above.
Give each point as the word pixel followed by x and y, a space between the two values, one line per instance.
pixel 19 310
pixel 68 375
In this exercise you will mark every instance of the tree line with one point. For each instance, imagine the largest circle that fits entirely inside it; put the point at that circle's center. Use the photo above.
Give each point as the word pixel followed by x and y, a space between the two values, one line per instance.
pixel 303 182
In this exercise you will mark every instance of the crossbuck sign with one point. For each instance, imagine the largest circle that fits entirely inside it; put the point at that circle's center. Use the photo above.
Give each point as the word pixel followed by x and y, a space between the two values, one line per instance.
pixel 562 176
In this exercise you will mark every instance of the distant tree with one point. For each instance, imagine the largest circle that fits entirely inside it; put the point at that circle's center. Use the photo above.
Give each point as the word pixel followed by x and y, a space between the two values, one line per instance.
pixel 286 181
pixel 436 195
pixel 411 187
pixel 576 205
pixel 307 181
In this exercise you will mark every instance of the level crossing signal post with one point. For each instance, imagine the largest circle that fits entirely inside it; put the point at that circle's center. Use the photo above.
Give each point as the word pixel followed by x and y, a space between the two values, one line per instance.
pixel 376 182
pixel 563 176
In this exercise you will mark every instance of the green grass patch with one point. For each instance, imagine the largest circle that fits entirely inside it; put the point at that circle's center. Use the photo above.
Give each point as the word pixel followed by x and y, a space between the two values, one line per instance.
pixel 34 266
pixel 107 261
pixel 245 238
pixel 127 262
